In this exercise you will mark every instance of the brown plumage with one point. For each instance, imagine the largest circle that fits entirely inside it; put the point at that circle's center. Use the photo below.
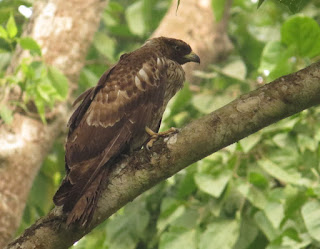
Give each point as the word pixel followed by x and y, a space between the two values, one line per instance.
pixel 112 118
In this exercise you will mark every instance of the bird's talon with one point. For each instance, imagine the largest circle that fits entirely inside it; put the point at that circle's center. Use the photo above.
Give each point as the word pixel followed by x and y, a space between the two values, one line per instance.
pixel 150 132
pixel 155 136
pixel 173 130
pixel 150 144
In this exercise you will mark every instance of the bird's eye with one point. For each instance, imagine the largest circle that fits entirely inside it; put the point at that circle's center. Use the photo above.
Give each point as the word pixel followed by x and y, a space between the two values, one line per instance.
pixel 177 48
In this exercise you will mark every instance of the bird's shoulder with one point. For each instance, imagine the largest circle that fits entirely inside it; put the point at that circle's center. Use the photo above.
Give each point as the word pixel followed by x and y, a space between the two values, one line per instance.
pixel 135 78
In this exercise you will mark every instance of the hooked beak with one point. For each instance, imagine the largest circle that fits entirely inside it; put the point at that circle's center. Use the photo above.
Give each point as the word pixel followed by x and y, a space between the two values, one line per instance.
pixel 192 57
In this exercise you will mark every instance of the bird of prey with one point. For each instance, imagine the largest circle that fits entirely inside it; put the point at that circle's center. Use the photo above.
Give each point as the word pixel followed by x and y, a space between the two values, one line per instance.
pixel 117 115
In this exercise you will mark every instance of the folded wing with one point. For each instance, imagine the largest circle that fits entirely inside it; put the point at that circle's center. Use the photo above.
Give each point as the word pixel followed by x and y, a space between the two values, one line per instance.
pixel 110 119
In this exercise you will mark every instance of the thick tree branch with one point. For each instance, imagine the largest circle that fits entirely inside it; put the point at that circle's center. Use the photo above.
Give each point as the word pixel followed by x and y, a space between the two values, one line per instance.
pixel 140 171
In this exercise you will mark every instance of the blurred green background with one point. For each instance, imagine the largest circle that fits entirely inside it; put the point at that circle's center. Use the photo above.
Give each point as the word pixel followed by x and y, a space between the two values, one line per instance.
pixel 262 192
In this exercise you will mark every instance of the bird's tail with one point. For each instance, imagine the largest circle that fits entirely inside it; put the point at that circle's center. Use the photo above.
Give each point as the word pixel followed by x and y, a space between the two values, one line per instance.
pixel 80 200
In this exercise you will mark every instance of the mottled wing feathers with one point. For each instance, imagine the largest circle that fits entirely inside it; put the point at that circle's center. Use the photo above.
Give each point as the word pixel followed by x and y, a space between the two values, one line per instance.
pixel 86 98
pixel 114 105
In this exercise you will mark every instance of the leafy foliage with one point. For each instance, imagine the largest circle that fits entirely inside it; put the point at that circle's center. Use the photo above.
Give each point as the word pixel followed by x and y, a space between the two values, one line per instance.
pixel 262 192
pixel 293 5
pixel 39 84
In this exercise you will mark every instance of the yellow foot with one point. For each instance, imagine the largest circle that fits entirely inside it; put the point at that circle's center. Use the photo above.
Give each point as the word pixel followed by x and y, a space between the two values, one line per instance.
pixel 155 136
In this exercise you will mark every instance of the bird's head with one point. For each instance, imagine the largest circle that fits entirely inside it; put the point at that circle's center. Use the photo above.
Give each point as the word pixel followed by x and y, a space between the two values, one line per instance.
pixel 176 50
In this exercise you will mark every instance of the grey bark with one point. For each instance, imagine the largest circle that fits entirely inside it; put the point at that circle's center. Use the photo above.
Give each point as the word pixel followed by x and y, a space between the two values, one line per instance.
pixel 143 169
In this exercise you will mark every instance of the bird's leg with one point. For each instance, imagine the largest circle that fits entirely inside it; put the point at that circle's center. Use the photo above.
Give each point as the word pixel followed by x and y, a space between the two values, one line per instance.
pixel 155 136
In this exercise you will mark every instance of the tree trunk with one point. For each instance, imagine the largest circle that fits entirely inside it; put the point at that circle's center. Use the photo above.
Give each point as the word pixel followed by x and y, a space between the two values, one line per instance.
pixel 64 30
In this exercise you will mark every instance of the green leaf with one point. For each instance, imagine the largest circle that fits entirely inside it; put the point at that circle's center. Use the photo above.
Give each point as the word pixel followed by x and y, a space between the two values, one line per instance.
pixel 311 213
pixel 213 184
pixel 90 77
pixel 123 240
pixel 45 91
pixel 112 12
pixel 259 3
pixel 135 18
pixel 289 243
pixel 186 185
pixel 248 233
pixel 178 4
pixel 220 234
pixel 287 157
pixel 179 119
pixel 281 140
pixel 6 114
pixel 235 69
pixel 188 219
pixel 125 230
pixel 115 7
pixel 30 44
pixel 295 199
pixel 276 59
pixel 270 55
pixel 168 206
pixel 58 81
pixel 277 172
pixel 218 8
pixel 122 31
pixel 5 58
pixel 265 225
pixel 149 15
pixel 11 27
pixel 3 33
pixel 258 180
pixel 275 213
pixel 180 239
pixel 171 209
pixel 27 70
pixel 249 47
pixel 204 103
pixel 40 197
pixel 181 99
pixel 306 142
pixel 207 103
pixel 105 45
pixel 254 195
pixel 302 32
pixel 294 5
pixel 40 107
pixel 249 142
pixel 283 125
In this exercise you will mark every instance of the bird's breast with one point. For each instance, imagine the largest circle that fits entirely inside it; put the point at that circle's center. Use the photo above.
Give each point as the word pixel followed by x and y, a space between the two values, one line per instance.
pixel 175 79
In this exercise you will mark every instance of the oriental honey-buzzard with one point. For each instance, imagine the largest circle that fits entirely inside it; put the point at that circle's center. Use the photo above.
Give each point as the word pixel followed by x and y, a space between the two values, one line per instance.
pixel 112 118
